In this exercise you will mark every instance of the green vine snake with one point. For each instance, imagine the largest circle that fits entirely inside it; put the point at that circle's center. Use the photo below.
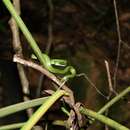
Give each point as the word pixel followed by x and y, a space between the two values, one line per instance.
pixel 50 64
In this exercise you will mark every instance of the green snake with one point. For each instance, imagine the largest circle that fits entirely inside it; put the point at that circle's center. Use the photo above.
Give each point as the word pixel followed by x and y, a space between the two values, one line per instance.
pixel 50 64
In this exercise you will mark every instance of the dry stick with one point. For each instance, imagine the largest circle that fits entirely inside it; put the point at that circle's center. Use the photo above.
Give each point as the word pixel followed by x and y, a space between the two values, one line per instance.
pixel 91 83
pixel 18 50
pixel 111 90
pixel 119 43
pixel 50 28
pixel 69 100
pixel 49 43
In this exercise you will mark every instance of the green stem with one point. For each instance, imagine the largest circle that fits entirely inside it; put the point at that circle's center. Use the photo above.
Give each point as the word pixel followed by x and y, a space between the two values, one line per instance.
pixel 42 57
pixel 43 109
pixel 21 106
pixel 12 126
pixel 103 119
pixel 114 100
pixel 65 111
pixel 19 125
pixel 60 123
pixel 25 31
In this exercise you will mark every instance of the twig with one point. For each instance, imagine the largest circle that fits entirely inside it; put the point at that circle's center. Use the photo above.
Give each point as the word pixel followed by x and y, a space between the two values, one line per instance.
pixel 49 43
pixel 37 67
pixel 18 50
pixel 106 114
pixel 111 90
pixel 114 100
pixel 50 29
pixel 68 99
pixel 52 77
pixel 119 43
pixel 91 83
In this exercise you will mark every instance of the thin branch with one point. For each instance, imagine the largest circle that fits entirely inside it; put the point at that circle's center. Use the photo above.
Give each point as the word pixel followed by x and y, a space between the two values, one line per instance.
pixel 91 83
pixel 50 28
pixel 119 42
pixel 37 67
pixel 49 43
pixel 111 90
pixel 68 99
pixel 18 48
pixel 52 77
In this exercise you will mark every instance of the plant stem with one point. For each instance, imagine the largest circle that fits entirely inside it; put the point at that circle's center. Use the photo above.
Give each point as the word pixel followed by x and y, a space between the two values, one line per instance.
pixel 114 100
pixel 43 109
pixel 18 125
pixel 21 106
pixel 60 123
pixel 65 111
pixel 103 119
pixel 12 126
pixel 25 31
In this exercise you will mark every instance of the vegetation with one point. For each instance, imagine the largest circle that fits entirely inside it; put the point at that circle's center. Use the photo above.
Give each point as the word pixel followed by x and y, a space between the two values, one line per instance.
pixel 76 116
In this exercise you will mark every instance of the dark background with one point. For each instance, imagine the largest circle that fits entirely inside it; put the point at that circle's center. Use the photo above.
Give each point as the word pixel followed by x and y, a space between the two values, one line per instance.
pixel 84 33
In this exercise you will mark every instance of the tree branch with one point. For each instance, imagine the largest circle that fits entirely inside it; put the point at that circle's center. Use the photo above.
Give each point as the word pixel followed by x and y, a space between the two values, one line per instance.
pixel 52 77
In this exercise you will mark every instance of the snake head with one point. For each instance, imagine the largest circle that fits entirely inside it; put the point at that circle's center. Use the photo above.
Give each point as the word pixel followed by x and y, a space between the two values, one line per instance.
pixel 58 66
pixel 59 62
pixel 33 57
pixel 55 62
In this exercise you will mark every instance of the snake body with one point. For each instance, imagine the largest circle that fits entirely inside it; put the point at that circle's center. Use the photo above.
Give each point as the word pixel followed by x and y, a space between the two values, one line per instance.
pixel 50 64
